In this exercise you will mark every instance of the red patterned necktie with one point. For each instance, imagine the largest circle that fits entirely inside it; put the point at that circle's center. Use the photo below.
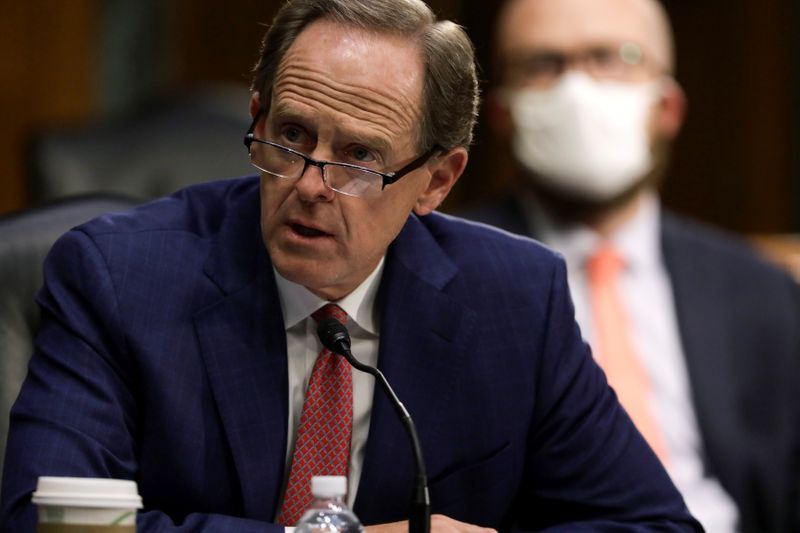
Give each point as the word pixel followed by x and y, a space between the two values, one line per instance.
pixel 625 371
pixel 322 446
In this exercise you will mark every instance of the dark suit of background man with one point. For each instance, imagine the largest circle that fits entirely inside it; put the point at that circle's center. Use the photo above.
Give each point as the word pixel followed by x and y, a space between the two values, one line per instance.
pixel 586 98
pixel 176 337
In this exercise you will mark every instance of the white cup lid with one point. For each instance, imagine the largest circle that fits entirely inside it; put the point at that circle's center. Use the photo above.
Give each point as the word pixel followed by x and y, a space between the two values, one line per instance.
pixel 328 486
pixel 87 492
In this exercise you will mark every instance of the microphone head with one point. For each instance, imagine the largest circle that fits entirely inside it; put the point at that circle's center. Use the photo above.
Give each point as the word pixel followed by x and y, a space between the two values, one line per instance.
pixel 333 335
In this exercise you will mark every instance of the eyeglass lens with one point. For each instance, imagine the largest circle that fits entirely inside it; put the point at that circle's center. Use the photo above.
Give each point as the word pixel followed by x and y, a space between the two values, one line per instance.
pixel 344 179
pixel 543 68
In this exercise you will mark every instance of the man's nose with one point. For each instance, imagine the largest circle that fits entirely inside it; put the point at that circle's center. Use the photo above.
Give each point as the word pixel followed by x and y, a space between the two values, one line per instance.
pixel 311 186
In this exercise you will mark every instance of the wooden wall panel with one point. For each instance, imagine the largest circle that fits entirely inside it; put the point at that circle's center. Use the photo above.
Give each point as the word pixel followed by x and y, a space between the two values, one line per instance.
pixel 733 163
pixel 216 41
pixel 47 56
pixel 766 102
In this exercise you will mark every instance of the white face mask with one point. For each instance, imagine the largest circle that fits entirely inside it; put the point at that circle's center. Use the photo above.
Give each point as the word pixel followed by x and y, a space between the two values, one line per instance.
pixel 585 138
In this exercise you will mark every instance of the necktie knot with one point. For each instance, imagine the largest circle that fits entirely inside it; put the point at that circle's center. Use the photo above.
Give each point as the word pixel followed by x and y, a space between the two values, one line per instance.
pixel 330 310
pixel 605 264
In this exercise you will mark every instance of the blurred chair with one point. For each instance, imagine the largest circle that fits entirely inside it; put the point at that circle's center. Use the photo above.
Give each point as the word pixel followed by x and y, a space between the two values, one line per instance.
pixel 189 138
pixel 781 248
pixel 25 238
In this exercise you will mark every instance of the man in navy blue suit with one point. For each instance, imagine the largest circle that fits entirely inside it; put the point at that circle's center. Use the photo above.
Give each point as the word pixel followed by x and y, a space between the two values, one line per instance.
pixel 586 99
pixel 176 338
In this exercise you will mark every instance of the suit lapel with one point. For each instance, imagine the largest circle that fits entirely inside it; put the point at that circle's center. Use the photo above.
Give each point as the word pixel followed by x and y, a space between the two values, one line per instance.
pixel 705 330
pixel 422 337
pixel 243 344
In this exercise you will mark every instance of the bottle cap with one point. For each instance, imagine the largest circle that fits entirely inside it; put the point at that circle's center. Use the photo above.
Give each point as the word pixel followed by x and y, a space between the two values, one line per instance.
pixel 328 486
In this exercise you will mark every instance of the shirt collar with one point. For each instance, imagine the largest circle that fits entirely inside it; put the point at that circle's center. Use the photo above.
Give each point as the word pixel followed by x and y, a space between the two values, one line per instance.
pixel 637 241
pixel 297 302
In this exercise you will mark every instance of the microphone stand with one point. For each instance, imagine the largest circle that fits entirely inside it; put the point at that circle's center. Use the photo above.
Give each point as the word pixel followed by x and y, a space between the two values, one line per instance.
pixel 335 337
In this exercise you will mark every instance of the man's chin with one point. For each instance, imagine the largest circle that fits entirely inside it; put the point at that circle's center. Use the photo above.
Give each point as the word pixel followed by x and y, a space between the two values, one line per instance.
pixel 571 205
pixel 314 275
pixel 302 272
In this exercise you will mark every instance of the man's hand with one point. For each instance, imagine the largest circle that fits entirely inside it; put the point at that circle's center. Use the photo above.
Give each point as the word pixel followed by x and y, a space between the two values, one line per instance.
pixel 439 524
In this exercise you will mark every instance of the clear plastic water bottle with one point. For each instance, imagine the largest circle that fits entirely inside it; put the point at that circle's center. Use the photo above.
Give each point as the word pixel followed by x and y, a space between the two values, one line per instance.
pixel 328 513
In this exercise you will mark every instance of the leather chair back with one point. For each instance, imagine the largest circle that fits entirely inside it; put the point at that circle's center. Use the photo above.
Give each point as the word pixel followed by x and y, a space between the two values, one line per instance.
pixel 25 238
pixel 149 152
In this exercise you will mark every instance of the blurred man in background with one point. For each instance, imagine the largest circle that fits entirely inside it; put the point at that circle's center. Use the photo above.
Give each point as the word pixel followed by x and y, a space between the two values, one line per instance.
pixel 698 336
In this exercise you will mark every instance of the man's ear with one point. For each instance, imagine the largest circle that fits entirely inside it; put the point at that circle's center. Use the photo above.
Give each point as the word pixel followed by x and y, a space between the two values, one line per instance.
pixel 255 108
pixel 671 109
pixel 255 103
pixel 447 168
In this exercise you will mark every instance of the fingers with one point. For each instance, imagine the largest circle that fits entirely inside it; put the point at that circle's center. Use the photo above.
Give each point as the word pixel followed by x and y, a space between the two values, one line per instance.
pixel 394 527
pixel 444 524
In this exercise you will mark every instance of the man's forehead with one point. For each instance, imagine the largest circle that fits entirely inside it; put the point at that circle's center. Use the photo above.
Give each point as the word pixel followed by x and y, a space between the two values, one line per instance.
pixel 569 24
pixel 370 77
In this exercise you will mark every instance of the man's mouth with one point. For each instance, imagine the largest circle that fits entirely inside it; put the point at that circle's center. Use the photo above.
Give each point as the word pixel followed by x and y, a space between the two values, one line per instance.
pixel 305 231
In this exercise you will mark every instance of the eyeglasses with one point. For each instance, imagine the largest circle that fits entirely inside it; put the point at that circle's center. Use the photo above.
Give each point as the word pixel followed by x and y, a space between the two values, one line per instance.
pixel 351 180
pixel 542 69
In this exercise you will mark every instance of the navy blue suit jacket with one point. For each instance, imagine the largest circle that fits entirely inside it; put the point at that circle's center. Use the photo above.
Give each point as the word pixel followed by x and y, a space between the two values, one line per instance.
pixel 739 321
pixel 162 358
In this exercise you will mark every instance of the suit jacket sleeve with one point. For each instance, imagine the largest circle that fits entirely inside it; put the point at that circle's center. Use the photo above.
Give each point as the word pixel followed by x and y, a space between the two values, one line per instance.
pixel 78 413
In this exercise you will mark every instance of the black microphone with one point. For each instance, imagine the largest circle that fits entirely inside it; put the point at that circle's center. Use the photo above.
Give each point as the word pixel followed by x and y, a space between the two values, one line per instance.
pixel 334 336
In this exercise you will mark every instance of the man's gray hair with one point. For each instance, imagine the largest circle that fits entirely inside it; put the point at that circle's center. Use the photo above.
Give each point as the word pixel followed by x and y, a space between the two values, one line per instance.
pixel 450 97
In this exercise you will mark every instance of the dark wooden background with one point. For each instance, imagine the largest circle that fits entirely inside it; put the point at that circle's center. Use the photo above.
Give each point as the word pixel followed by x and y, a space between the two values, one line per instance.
pixel 735 165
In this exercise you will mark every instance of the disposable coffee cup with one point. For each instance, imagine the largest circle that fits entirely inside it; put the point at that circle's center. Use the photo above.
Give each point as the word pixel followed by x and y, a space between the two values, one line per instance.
pixel 86 505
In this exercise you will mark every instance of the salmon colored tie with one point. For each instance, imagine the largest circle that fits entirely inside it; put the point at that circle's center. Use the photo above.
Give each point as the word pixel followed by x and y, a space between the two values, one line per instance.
pixel 322 447
pixel 625 371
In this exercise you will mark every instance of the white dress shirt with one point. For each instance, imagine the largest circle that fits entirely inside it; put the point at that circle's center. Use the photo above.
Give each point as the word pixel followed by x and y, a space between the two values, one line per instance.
pixel 647 294
pixel 303 347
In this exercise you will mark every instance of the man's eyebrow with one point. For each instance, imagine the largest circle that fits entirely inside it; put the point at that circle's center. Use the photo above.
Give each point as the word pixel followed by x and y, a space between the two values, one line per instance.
pixel 283 111
pixel 380 143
